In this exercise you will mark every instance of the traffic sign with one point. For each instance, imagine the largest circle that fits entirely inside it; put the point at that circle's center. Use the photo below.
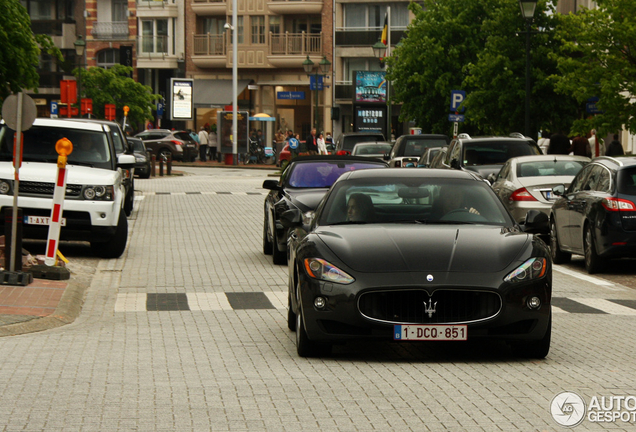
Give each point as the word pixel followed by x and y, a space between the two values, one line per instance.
pixel 315 82
pixel 456 117
pixel 293 143
pixel 160 107
pixel 457 97
pixel 54 109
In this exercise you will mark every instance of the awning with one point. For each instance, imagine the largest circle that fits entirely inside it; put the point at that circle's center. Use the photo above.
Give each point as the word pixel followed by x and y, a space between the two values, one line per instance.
pixel 211 93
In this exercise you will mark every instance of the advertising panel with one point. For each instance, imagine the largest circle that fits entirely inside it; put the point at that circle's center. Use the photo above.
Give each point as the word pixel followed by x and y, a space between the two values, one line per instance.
pixel 224 130
pixel 370 118
pixel 370 87
pixel 181 102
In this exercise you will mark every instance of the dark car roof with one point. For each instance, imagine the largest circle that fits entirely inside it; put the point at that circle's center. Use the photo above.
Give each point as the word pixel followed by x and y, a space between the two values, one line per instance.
pixel 425 137
pixel 413 173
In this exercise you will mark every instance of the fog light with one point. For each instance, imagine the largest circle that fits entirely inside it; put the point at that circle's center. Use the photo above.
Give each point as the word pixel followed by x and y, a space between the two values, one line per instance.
pixel 320 302
pixel 534 302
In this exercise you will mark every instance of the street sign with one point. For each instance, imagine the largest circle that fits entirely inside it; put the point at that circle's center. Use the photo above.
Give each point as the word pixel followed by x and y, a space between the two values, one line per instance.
pixel 457 97
pixel 54 109
pixel 315 82
pixel 160 106
pixel 293 143
pixel 109 111
pixel 290 95
pixel 27 114
pixel 456 117
pixel 68 91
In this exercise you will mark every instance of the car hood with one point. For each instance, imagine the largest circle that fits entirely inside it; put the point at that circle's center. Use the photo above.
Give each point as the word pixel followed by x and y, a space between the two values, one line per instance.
pixel 423 248
pixel 306 199
pixel 47 173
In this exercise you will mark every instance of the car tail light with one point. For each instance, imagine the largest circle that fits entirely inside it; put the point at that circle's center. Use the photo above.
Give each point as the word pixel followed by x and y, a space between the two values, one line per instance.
pixel 617 204
pixel 177 143
pixel 343 153
pixel 521 195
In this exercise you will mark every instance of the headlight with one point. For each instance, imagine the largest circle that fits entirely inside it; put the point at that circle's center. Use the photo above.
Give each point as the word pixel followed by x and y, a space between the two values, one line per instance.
pixel 103 193
pixel 320 269
pixel 5 187
pixel 533 268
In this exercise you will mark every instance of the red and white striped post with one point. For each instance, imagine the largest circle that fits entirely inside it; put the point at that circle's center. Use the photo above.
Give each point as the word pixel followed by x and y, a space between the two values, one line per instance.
pixel 64 148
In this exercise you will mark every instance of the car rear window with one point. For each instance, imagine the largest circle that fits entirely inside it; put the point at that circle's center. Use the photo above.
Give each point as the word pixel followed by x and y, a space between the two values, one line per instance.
pixel 350 141
pixel 549 168
pixel 497 152
pixel 323 174
pixel 627 181
pixel 183 136
pixel 417 147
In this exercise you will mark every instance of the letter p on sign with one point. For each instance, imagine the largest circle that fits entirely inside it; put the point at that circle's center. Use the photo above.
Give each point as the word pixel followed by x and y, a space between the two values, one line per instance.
pixel 457 97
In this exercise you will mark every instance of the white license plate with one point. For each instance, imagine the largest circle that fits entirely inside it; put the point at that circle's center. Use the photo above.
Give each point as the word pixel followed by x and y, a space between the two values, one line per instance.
pixel 40 220
pixel 420 332
pixel 550 195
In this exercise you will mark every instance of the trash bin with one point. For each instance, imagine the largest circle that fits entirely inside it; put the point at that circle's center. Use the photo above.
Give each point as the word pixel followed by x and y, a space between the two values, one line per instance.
pixel 229 159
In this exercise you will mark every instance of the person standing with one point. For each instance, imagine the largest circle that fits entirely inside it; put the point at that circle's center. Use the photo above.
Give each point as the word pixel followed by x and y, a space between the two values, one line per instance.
pixel 544 142
pixel 581 146
pixel 212 143
pixel 320 144
pixel 310 142
pixel 329 142
pixel 559 144
pixel 597 145
pixel 203 143
pixel 615 148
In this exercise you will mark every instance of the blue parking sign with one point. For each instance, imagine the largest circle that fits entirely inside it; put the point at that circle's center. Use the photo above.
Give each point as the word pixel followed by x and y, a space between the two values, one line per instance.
pixel 457 97
pixel 54 108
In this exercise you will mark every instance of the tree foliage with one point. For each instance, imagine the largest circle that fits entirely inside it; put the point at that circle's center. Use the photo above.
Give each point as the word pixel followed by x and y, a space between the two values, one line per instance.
pixel 598 59
pixel 20 50
pixel 478 47
pixel 113 86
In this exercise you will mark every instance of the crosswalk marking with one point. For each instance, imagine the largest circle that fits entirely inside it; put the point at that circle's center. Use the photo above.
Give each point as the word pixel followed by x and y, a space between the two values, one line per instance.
pixel 278 299
pixel 208 301
pixel 131 302
pixel 596 281
pixel 606 306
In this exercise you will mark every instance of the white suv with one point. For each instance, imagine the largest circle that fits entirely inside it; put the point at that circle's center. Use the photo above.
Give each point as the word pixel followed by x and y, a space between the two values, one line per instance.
pixel 94 203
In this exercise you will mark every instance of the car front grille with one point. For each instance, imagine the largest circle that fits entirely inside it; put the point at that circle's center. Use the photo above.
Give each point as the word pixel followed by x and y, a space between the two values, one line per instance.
pixel 417 307
pixel 46 189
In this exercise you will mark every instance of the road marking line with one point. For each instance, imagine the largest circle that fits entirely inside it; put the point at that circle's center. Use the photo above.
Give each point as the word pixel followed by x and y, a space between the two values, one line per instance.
pixel 131 302
pixel 208 301
pixel 596 281
pixel 278 299
pixel 606 306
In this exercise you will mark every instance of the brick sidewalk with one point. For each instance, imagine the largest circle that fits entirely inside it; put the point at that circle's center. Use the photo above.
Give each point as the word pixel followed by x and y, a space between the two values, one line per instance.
pixel 38 299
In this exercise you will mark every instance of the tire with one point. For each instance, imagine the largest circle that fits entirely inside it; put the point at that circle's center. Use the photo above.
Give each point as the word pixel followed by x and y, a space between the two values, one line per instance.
pixel 268 246
pixel 146 174
pixel 593 262
pixel 116 246
pixel 538 349
pixel 558 256
pixel 246 158
pixel 129 201
pixel 291 316
pixel 279 258
pixel 304 346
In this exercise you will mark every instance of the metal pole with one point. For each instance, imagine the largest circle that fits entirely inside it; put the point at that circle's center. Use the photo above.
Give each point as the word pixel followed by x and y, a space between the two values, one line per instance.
pixel 316 91
pixel 234 82
pixel 16 185
pixel 388 84
pixel 527 118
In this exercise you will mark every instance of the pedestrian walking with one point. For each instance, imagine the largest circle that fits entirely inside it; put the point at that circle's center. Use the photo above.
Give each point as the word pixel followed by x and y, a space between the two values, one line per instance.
pixel 203 143
pixel 597 145
pixel 310 143
pixel 615 148
pixel 212 144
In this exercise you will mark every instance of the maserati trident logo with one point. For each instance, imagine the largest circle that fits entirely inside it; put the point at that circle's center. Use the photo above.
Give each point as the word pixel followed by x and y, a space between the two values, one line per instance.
pixel 430 308
pixel 429 278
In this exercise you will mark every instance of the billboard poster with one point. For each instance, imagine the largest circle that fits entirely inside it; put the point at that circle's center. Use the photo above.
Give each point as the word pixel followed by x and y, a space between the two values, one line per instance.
pixel 370 118
pixel 181 102
pixel 224 130
pixel 370 86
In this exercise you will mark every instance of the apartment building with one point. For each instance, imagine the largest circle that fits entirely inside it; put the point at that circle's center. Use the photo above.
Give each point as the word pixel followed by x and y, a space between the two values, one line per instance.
pixel 275 37
pixel 358 27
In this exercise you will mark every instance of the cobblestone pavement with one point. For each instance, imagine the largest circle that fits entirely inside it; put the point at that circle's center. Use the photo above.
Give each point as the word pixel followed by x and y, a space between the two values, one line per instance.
pixel 187 332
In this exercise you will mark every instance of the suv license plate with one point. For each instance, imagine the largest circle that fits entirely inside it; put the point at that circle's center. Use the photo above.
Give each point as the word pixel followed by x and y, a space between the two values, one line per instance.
pixel 40 220
pixel 430 332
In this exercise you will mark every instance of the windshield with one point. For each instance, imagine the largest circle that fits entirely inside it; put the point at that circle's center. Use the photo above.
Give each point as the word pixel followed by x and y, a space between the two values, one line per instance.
pixel 417 147
pixel 410 200
pixel 371 149
pixel 90 148
pixel 549 168
pixel 496 152
pixel 350 141
pixel 318 174
pixel 138 145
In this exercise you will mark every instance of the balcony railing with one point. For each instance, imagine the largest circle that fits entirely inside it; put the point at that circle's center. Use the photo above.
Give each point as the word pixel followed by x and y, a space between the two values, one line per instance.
pixel 49 27
pixel 153 45
pixel 110 30
pixel 210 44
pixel 295 43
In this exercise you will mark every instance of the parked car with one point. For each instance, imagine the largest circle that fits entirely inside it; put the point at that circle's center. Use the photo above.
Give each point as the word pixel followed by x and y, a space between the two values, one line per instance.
pixel 95 194
pixel 374 149
pixel 438 159
pixel 302 185
pixel 347 140
pixel 429 154
pixel 142 157
pixel 408 149
pixel 164 142
pixel 122 146
pixel 407 261
pixel 596 215
pixel 526 182
pixel 486 155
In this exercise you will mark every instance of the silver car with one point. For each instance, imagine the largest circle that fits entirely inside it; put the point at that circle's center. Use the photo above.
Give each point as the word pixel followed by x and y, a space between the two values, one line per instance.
pixel 525 183
pixel 375 149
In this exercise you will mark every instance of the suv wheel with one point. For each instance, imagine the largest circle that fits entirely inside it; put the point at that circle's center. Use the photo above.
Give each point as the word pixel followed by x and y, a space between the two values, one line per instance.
pixel 129 201
pixel 116 246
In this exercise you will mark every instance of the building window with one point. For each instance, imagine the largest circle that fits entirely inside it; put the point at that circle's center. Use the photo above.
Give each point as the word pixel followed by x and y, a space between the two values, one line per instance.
pixel 258 29
pixel 120 10
pixel 212 25
pixel 353 64
pixel 154 36
pixel 241 29
pixel 371 16
pixel 107 58
pixel 274 24
pixel 39 9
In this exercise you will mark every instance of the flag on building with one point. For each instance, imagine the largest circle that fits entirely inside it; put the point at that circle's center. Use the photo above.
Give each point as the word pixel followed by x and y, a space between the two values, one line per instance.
pixel 385 30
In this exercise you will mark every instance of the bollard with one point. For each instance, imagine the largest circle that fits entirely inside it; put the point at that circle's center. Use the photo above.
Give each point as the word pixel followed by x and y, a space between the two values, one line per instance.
pixel 153 168
pixel 169 165
pixel 160 165
pixel 8 220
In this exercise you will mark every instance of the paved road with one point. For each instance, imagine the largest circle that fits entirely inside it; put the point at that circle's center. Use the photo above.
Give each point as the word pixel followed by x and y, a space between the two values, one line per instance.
pixel 188 332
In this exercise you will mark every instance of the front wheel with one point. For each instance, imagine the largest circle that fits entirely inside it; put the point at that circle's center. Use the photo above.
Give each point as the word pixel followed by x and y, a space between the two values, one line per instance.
pixel 279 257
pixel 593 262
pixel 558 256
pixel 267 243
pixel 535 349
pixel 306 347
pixel 116 246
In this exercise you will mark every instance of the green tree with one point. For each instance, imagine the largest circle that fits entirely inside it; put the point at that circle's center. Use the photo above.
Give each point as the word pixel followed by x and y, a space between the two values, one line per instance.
pixel 598 59
pixel 113 86
pixel 20 50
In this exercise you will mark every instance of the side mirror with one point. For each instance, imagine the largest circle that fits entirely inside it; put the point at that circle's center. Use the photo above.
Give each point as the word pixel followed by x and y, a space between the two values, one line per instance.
pixel 536 223
pixel 125 159
pixel 291 218
pixel 559 190
pixel 271 185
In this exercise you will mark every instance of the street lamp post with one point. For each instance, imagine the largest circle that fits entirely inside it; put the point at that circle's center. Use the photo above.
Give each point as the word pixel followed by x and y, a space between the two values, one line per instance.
pixel 527 11
pixel 322 70
pixel 80 47
pixel 382 50
pixel 232 27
